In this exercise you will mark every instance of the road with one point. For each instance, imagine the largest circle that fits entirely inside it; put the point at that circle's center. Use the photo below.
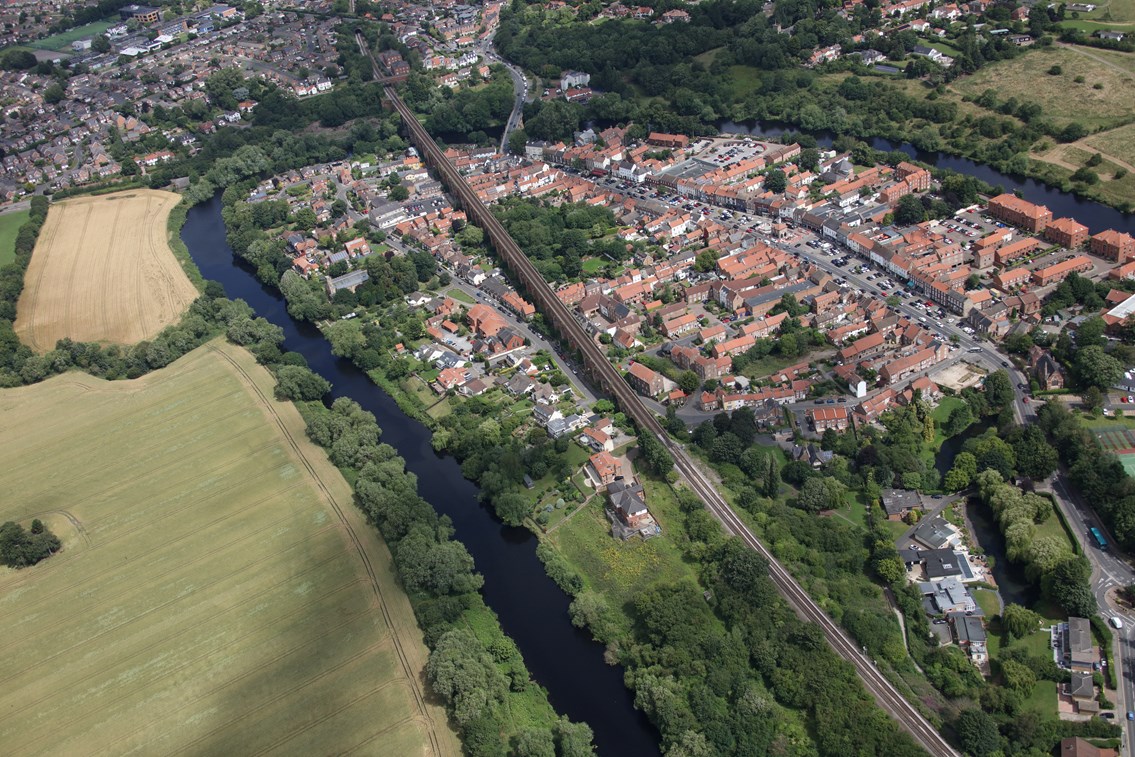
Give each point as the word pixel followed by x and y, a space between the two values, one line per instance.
pixel 520 85
pixel 884 692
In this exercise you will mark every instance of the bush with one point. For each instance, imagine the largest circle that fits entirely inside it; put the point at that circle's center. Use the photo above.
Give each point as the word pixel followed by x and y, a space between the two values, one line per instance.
pixel 20 548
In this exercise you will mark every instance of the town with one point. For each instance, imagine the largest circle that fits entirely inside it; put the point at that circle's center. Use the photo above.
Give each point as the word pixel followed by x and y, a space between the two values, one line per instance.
pixel 858 348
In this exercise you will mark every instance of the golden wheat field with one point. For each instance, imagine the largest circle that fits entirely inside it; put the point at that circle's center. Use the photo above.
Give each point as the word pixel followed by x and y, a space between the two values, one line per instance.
pixel 102 271
pixel 217 592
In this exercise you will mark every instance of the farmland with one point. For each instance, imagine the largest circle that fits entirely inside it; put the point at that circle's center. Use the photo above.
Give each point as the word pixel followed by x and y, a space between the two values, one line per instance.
pixel 217 592
pixel 102 271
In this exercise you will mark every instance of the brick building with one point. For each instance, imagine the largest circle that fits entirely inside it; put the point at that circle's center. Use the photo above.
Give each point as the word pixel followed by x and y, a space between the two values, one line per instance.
pixel 1114 245
pixel 1021 213
pixel 1066 232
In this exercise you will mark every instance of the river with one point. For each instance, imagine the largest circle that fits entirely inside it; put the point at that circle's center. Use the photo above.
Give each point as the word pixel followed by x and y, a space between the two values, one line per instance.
pixel 532 609
pixel 1096 216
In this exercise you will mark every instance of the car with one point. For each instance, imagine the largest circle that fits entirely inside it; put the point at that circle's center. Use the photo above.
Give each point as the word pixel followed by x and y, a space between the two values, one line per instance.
pixel 1004 363
pixel 1108 715
pixel 1130 715
pixel 1117 623
pixel 1025 400
pixel 937 496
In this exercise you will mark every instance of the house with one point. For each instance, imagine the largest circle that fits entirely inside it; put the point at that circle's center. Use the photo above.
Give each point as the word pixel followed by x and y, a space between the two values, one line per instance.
pixel 1049 374
pixel 597 439
pixel 1082 691
pixel 942 563
pixel 1059 271
pixel 1077 747
pixel 645 381
pixel 935 533
pixel 605 467
pixel 1066 232
pixel 897 503
pixel 1076 641
pixel 823 418
pixel 947 596
pixel 1113 245
pixel 627 510
pixel 969 633
pixel 1021 213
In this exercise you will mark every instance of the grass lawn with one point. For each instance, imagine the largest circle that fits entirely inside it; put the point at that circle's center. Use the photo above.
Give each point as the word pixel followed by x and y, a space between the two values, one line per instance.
pixel 460 296
pixel 1096 26
pixel 62 42
pixel 217 591
pixel 1062 99
pixel 1042 698
pixel 856 512
pixel 987 600
pixel 593 266
pixel 946 406
pixel 10 224
pixel 768 365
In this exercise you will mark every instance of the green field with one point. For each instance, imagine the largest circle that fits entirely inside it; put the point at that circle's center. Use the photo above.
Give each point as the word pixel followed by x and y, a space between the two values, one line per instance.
pixel 217 592
pixel 62 42
pixel 1063 99
pixel 617 569
pixel 10 223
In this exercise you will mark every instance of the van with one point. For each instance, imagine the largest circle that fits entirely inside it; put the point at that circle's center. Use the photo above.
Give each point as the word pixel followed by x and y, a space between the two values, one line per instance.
pixel 1116 622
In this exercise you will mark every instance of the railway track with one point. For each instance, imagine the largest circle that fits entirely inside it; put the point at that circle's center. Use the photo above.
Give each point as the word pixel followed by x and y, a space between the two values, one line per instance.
pixel 884 692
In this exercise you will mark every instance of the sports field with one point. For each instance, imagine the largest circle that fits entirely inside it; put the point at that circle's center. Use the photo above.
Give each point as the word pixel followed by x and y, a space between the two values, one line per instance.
pixel 1121 443
pixel 217 592
pixel 102 271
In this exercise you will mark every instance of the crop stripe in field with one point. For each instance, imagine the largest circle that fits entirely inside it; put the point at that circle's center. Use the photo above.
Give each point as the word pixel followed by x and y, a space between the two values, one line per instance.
pixel 164 605
pixel 163 419
pixel 88 579
pixel 382 732
pixel 409 671
pixel 165 641
pixel 148 523
pixel 282 694
pixel 62 726
pixel 397 724
pixel 78 257
pixel 33 288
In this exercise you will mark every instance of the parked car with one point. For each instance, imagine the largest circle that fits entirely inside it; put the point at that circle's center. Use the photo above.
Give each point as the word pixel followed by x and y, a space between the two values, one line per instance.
pixel 1117 623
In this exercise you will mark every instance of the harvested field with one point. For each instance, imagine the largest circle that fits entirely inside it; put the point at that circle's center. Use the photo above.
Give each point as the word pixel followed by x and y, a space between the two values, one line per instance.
pixel 217 592
pixel 102 271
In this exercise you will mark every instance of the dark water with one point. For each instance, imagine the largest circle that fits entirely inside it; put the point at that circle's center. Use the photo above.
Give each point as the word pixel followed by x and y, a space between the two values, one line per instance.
pixel 1010 578
pixel 532 609
pixel 1092 214
pixel 1011 581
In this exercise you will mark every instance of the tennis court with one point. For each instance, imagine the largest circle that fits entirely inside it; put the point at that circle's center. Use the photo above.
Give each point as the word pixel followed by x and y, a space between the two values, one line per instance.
pixel 1121 443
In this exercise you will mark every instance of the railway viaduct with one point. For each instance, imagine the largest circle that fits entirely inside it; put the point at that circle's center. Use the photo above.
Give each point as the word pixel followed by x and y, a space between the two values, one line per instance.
pixel 608 378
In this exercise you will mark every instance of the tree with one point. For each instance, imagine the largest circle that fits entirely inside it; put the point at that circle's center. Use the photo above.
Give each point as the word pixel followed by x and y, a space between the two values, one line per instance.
pixel 399 193
pixel 463 673
pixel 1017 675
pixel 776 182
pixel 815 495
pixel 512 507
pixel 977 733
pixel 294 382
pixel 909 210
pixel 19 548
pixel 705 261
pixel 1096 368
pixel 1019 621
pixel 535 742
pixel 1036 458
pixel 998 389
pixel 54 93
pixel 656 456
pixel 958 420
pixel 573 739
pixel 100 44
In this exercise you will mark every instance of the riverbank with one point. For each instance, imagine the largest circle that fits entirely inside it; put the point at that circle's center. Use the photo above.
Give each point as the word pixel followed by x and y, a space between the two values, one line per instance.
pixel 530 608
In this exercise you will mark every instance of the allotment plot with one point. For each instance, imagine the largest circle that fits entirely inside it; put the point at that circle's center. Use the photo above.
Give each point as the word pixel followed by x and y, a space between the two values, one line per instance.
pixel 102 271
pixel 217 592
